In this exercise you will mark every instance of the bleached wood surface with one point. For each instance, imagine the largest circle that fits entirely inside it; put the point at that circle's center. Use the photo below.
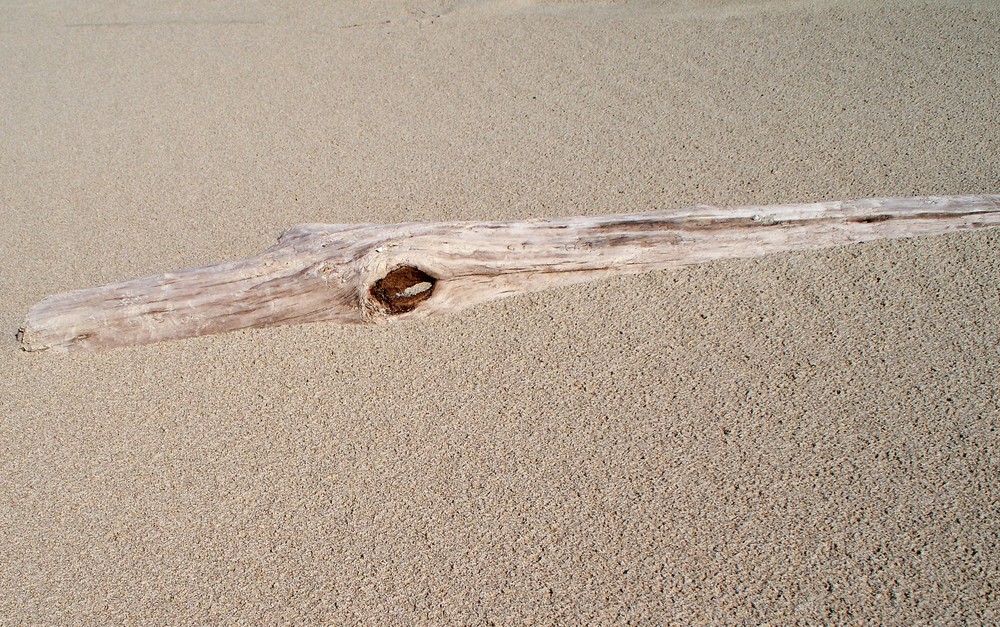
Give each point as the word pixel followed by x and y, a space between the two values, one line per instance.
pixel 370 273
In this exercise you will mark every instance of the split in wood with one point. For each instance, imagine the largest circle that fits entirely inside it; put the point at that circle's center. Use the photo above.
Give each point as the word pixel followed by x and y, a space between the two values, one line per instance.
pixel 372 273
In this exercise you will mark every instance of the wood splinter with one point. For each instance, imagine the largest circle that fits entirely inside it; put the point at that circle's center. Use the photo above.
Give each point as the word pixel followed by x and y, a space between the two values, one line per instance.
pixel 371 273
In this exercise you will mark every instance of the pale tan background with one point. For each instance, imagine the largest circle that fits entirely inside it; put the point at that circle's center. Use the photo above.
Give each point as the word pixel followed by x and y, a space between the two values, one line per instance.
pixel 807 437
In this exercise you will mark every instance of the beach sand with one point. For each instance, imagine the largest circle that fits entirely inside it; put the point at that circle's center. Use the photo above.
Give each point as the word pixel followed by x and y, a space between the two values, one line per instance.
pixel 808 437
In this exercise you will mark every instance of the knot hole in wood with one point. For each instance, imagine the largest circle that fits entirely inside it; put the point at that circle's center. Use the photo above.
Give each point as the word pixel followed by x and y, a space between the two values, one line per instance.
pixel 402 289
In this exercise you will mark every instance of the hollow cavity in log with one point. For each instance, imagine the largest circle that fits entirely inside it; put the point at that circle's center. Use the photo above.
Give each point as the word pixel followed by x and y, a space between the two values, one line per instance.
pixel 402 289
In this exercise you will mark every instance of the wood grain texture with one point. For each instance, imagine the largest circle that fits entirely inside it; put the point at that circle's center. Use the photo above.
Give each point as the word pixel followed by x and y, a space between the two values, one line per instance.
pixel 367 273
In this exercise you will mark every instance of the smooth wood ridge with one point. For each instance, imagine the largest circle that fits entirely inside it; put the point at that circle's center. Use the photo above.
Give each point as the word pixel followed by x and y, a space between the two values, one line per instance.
pixel 371 273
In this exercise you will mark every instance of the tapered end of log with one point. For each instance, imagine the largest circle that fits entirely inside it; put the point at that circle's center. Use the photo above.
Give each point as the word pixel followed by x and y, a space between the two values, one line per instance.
pixel 363 274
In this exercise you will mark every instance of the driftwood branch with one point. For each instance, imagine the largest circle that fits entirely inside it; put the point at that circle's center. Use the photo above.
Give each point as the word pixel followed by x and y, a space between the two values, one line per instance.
pixel 371 273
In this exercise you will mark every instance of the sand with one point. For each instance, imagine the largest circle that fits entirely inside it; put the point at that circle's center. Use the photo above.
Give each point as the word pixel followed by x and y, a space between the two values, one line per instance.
pixel 809 437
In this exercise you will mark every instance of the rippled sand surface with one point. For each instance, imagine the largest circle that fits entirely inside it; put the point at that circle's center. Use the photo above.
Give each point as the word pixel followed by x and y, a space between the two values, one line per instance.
pixel 808 437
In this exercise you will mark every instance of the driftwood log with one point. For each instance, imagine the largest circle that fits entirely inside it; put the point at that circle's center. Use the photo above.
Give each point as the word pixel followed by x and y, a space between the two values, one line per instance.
pixel 371 273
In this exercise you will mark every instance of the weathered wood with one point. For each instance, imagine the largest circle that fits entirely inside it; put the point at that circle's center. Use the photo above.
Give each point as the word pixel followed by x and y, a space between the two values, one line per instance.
pixel 370 273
